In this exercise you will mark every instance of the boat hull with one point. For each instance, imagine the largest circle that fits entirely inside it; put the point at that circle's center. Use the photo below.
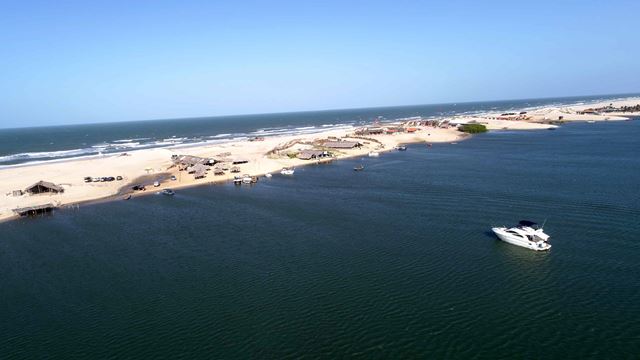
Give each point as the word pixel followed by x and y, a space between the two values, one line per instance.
pixel 519 241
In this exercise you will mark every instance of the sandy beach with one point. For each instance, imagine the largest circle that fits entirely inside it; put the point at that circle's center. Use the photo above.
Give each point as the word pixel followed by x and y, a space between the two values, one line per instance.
pixel 268 155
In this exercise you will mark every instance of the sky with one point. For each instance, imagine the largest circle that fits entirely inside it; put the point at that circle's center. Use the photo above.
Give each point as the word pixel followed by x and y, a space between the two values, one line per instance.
pixel 69 62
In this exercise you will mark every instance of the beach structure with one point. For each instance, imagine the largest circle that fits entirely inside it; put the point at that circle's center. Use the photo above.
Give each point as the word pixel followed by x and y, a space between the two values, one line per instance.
pixel 218 171
pixel 313 154
pixel 42 187
pixel 342 144
pixel 239 161
pixel 235 169
pixel 370 131
pixel 34 210
pixel 187 161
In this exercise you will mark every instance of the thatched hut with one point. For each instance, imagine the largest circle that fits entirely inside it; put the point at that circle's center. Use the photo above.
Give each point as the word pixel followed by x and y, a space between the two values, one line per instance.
pixel 312 154
pixel 44 187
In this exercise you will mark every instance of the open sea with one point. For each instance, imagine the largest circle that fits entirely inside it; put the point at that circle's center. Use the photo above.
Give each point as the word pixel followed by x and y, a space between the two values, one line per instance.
pixel 396 261
pixel 54 143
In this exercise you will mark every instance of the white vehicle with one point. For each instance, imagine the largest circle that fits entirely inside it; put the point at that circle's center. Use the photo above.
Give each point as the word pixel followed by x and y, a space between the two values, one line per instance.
pixel 287 171
pixel 156 183
pixel 374 154
pixel 528 234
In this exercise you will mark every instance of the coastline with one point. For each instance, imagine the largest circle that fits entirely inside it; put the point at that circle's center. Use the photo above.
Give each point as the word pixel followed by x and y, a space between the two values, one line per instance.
pixel 151 163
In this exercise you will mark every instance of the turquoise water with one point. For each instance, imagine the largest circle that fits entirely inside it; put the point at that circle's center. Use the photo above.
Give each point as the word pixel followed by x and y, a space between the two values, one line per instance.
pixel 29 145
pixel 392 262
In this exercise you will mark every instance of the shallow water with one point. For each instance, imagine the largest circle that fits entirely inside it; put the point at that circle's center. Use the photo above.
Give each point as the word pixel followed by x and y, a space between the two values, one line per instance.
pixel 391 262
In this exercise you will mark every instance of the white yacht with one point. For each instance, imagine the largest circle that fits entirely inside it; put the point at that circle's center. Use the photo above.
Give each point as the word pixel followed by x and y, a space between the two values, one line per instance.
pixel 268 175
pixel 287 171
pixel 246 179
pixel 374 154
pixel 528 234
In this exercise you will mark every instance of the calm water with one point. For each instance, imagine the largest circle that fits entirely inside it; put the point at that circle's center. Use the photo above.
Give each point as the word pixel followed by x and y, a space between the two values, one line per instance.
pixel 391 262
pixel 29 145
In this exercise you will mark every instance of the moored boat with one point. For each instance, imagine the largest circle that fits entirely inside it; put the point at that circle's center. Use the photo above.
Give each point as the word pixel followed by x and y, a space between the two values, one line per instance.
pixel 374 154
pixel 168 192
pixel 359 168
pixel 287 171
pixel 401 148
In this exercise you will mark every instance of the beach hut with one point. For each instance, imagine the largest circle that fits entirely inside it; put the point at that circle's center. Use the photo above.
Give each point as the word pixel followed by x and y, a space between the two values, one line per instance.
pixel 34 210
pixel 239 161
pixel 218 171
pixel 342 144
pixel 44 187
pixel 235 169
pixel 312 154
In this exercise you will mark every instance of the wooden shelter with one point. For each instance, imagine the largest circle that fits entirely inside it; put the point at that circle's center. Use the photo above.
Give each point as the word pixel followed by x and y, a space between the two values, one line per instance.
pixel 44 187
pixel 342 144
pixel 312 154
pixel 34 210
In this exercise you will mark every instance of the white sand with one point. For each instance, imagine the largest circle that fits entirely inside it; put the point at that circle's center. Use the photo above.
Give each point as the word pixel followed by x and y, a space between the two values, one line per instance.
pixel 70 174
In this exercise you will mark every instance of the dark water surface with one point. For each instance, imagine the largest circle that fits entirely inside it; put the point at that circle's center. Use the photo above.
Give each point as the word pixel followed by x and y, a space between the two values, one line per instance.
pixel 391 262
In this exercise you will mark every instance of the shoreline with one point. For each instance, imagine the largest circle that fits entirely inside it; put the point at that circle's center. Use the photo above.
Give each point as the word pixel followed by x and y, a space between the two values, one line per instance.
pixel 258 157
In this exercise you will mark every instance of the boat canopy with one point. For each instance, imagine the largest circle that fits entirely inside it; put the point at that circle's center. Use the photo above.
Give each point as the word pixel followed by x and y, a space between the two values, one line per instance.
pixel 527 223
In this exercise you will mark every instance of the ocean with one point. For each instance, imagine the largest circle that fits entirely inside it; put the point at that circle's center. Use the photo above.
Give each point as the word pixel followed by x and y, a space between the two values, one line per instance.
pixel 396 261
pixel 54 143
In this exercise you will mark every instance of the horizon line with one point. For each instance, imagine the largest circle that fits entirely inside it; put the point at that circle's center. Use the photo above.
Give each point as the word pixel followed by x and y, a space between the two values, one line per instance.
pixel 316 110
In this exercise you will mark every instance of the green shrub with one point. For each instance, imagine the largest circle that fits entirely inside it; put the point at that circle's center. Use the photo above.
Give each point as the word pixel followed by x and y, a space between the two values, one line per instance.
pixel 473 128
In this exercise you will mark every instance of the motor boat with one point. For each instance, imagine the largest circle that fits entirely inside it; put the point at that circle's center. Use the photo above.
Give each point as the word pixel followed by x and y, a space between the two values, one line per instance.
pixel 527 234
pixel 168 192
pixel 359 168
pixel 268 175
pixel 374 154
pixel 401 148
pixel 287 171
pixel 246 179
pixel 237 180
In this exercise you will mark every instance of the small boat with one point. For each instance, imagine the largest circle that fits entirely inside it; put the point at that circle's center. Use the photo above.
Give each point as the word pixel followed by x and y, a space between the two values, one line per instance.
pixel 168 192
pixel 401 148
pixel 268 175
pixel 359 168
pixel 246 179
pixel 527 234
pixel 237 180
pixel 429 145
pixel 591 121
pixel 287 171
pixel 374 154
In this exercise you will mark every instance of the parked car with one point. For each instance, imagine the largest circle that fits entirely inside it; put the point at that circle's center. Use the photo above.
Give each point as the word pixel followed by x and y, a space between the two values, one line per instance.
pixel 156 183
pixel 118 178
pixel 87 179
pixel 96 179
pixel 173 178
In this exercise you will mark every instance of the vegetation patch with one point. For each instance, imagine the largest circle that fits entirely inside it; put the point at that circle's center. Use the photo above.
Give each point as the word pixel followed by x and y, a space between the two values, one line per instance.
pixel 473 128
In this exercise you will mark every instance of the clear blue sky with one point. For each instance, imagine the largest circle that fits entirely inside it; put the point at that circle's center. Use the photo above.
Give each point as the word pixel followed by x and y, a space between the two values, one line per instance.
pixel 67 62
